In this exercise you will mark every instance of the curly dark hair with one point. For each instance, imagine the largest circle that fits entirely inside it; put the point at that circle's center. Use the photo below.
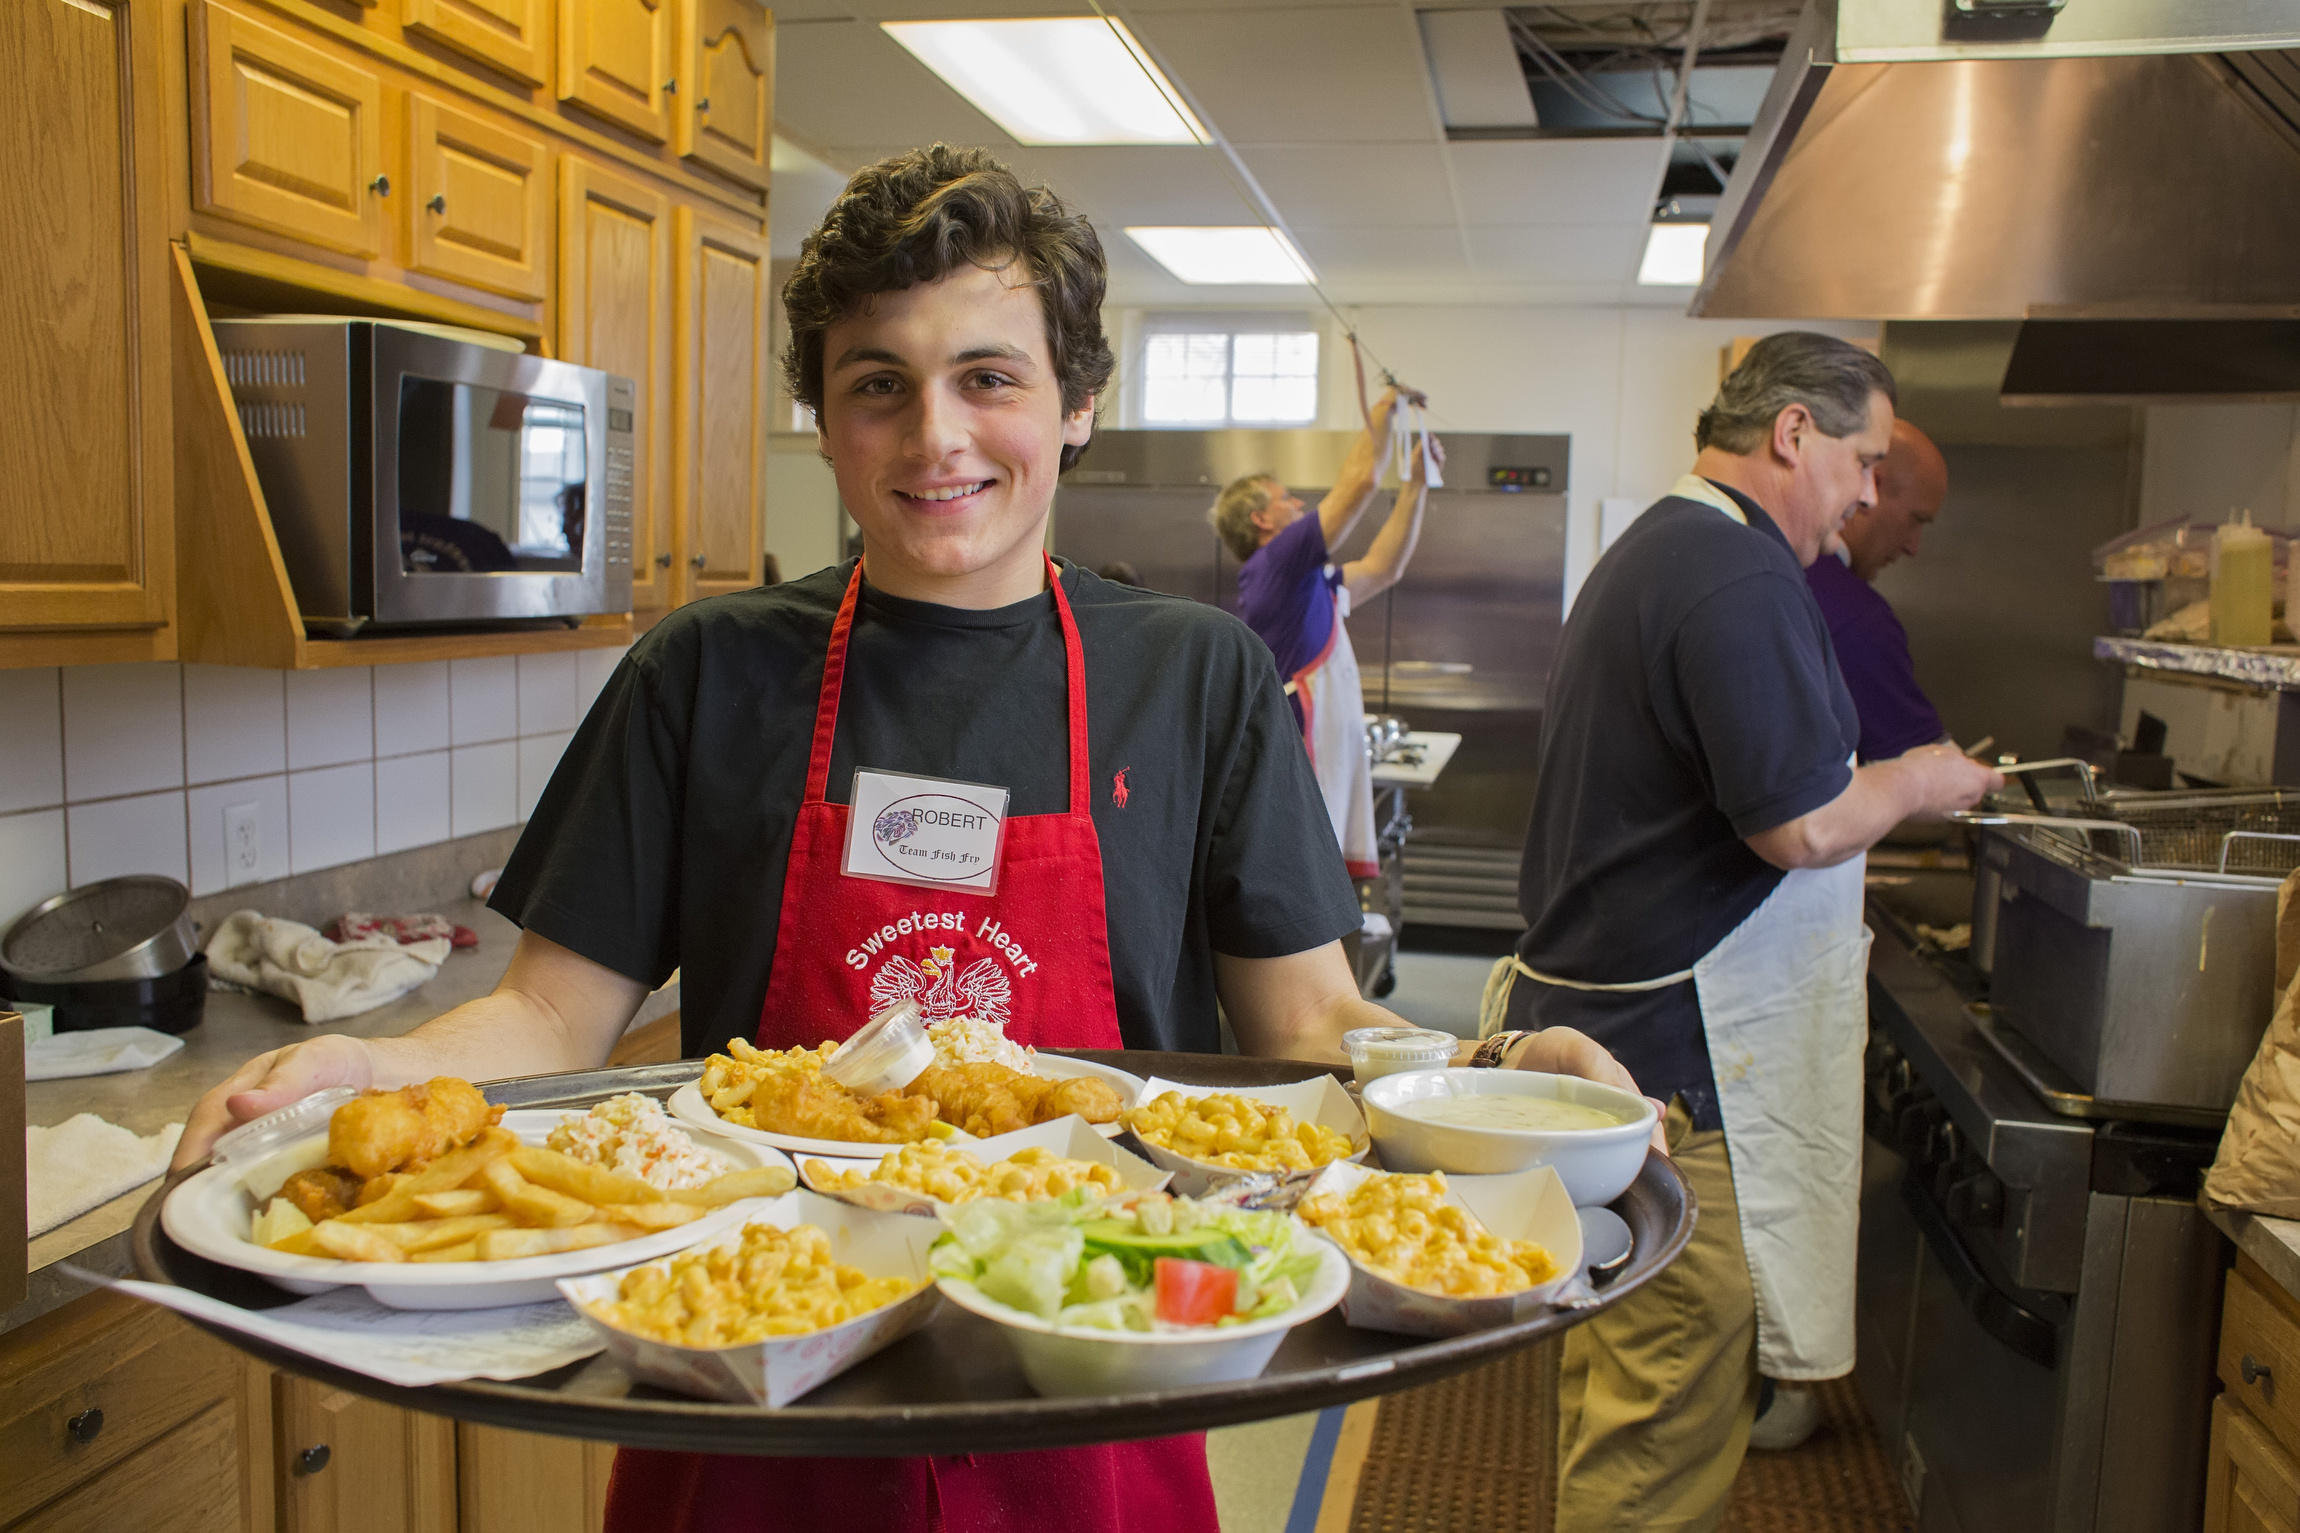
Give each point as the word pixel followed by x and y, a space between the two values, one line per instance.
pixel 916 218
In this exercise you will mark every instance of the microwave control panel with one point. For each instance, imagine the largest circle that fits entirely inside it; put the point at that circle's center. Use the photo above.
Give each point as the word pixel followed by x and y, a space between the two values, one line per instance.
pixel 622 412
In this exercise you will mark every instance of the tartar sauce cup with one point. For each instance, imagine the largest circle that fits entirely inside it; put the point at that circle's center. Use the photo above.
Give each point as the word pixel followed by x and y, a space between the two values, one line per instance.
pixel 891 1050
pixel 1378 1051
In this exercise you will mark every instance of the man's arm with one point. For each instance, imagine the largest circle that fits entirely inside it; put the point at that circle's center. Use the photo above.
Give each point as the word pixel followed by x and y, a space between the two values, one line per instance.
pixel 1393 547
pixel 553 1009
pixel 1298 1007
pixel 1355 484
pixel 1928 782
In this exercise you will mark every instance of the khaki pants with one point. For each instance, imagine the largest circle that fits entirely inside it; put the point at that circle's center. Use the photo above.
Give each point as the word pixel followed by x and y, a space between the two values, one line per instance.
pixel 1656 1395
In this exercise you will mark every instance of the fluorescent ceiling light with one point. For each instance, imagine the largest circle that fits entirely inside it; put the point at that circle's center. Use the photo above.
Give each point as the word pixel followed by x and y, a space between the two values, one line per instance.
pixel 1055 80
pixel 1673 255
pixel 1246 254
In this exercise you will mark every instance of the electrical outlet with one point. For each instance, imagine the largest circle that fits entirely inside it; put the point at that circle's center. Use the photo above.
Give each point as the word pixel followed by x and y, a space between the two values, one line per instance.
pixel 243 844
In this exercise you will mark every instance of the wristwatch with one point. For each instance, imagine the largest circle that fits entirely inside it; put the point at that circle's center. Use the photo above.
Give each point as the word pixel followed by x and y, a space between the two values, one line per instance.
pixel 1490 1053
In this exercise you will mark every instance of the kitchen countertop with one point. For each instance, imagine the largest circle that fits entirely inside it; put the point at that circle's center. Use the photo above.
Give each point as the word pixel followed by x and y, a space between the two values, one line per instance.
pixel 1437 750
pixel 233 1029
pixel 2273 1243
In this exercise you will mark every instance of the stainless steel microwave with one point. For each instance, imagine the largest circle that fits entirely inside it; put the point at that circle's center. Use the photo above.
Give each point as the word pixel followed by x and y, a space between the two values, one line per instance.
pixel 416 475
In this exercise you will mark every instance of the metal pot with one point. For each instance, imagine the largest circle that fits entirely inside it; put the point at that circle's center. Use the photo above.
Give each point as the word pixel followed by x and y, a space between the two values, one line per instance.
pixel 138 927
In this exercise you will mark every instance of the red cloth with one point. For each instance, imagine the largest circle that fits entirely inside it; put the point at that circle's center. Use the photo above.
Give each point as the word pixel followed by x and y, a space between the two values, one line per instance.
pixel 353 926
pixel 1046 943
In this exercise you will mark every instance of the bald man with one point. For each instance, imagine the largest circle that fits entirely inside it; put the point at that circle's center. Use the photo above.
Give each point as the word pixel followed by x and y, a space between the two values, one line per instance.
pixel 1872 648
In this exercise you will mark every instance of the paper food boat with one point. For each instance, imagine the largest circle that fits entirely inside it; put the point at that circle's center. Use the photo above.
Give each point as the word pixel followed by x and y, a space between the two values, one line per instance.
pixel 1524 1205
pixel 778 1370
pixel 1318 1100
pixel 1072 1138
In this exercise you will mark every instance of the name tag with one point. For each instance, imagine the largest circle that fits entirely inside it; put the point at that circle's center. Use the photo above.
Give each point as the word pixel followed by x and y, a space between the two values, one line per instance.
pixel 923 830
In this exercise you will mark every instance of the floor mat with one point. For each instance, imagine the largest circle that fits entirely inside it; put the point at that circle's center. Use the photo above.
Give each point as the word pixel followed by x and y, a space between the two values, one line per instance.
pixel 1473 1454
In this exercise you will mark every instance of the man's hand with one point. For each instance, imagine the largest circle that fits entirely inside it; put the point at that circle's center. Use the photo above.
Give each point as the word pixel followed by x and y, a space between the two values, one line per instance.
pixel 553 1009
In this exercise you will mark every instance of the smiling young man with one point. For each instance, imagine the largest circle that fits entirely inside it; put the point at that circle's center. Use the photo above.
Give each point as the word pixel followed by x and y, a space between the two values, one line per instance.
pixel 1692 893
pixel 1163 845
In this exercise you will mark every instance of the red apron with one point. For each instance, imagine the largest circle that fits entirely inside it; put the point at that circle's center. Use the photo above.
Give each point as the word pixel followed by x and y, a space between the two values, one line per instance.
pixel 1034 956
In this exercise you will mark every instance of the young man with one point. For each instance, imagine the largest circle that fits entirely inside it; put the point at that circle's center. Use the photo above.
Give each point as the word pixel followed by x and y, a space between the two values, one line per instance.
pixel 1299 602
pixel 1162 845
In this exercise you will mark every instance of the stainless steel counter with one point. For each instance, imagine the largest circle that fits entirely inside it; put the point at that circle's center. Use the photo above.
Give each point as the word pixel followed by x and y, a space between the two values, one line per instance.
pixel 233 1030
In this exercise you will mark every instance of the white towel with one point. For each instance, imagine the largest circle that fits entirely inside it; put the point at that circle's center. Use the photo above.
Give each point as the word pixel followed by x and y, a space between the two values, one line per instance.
pixel 85 1162
pixel 329 980
pixel 97 1051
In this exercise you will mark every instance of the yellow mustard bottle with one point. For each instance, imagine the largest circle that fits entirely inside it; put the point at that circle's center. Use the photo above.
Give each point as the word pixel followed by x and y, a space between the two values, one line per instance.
pixel 2243 587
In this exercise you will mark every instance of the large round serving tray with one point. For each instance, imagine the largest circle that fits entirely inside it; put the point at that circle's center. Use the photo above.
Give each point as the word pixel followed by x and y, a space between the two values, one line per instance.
pixel 954 1386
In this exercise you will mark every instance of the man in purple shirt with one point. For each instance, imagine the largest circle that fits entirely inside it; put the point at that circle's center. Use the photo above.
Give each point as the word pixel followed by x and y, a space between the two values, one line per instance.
pixel 1872 648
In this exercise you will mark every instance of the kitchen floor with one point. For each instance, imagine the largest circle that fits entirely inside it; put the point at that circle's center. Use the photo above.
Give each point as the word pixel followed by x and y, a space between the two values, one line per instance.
pixel 1471 1454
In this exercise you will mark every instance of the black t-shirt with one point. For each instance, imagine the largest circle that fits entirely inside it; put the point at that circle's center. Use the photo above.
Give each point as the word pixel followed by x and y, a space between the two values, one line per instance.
pixel 662 840
pixel 1695 702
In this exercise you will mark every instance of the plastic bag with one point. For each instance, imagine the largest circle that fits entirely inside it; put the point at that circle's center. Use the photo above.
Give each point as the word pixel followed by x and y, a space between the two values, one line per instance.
pixel 2258 1167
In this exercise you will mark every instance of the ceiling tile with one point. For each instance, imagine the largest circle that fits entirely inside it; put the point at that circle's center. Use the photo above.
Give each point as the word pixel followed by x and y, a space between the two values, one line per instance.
pixel 1365 254
pixel 1557 181
pixel 839 83
pixel 1584 253
pixel 1298 76
pixel 1397 184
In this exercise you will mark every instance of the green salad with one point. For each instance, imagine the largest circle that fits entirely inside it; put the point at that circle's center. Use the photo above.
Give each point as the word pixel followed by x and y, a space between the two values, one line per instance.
pixel 1139 1263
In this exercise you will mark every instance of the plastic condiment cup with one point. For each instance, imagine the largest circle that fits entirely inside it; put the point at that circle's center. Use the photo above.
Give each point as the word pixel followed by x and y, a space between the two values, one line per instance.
pixel 890 1052
pixel 1378 1051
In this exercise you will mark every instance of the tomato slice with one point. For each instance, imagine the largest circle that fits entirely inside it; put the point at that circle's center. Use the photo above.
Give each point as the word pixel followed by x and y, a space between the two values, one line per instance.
pixel 1194 1293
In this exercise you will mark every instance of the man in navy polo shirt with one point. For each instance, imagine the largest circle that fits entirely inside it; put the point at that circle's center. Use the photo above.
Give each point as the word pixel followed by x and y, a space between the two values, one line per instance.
pixel 1872 647
pixel 1692 893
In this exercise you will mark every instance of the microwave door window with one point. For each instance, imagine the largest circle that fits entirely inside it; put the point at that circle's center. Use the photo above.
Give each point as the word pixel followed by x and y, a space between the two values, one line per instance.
pixel 490 482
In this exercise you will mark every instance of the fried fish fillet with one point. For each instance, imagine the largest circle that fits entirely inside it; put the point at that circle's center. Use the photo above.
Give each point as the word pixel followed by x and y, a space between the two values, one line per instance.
pixel 813 1108
pixel 986 1099
pixel 381 1131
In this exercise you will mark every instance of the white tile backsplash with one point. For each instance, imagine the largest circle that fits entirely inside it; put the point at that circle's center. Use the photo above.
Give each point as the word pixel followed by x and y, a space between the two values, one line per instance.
pixel 486 787
pixel 235 723
pixel 484 700
pixel 411 708
pixel 113 836
pixel 547 693
pixel 31 860
pixel 538 755
pixel 31 740
pixel 213 865
pixel 330 717
pixel 413 803
pixel 331 816
pixel 123 729
pixel 115 769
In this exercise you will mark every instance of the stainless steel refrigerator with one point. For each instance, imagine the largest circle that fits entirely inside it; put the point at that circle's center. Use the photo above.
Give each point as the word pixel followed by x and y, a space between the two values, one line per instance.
pixel 1463 644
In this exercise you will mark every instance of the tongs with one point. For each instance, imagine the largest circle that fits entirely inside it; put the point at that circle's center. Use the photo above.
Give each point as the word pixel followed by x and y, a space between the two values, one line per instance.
pixel 2086 773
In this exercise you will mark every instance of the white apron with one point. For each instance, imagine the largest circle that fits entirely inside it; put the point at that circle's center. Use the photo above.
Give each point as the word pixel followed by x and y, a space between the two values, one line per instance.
pixel 1334 728
pixel 1784 1007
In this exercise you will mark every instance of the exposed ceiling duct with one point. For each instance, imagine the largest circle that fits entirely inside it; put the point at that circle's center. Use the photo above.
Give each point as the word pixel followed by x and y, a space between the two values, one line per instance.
pixel 2127 161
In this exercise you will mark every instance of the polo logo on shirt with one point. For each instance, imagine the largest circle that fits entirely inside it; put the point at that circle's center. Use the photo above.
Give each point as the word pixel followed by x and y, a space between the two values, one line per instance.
pixel 943 983
pixel 1119 792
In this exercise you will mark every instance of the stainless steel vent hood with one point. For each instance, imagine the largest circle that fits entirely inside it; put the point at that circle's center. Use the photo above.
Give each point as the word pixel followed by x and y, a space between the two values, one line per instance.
pixel 2126 161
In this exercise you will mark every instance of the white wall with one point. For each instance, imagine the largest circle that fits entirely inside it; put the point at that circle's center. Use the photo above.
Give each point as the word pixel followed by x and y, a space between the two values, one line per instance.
pixel 2209 461
pixel 113 769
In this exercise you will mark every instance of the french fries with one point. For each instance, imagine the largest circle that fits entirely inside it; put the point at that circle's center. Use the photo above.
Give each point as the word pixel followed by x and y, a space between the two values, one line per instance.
pixel 496 1199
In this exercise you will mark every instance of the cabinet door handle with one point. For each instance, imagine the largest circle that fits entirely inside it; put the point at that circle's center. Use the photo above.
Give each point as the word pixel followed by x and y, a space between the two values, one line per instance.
pixel 313 1459
pixel 698 561
pixel 702 103
pixel 2253 1371
pixel 670 87
pixel 438 203
pixel 662 561
pixel 84 1427
pixel 381 186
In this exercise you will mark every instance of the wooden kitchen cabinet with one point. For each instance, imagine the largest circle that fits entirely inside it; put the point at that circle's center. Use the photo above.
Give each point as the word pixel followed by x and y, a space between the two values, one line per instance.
pixel 480 209
pixel 724 117
pixel 507 34
pixel 115 1414
pixel 615 62
pixel 2252 1473
pixel 348 1464
pixel 721 360
pixel 518 1482
pixel 2250 1484
pixel 285 137
pixel 615 313
pixel 87 543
